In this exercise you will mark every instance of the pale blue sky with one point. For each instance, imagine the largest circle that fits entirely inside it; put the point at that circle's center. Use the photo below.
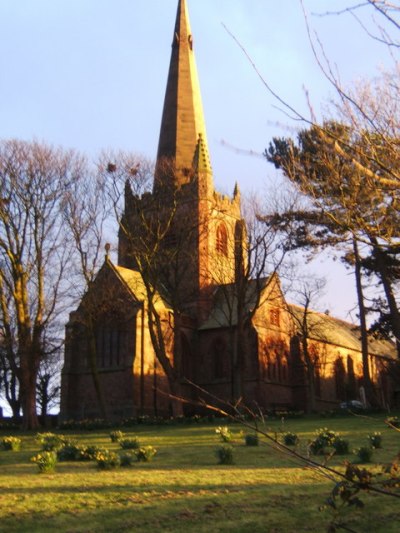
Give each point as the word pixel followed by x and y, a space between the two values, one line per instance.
pixel 91 74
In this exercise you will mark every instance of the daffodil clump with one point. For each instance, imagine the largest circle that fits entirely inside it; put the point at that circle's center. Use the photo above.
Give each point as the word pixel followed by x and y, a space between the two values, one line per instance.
pixel 11 443
pixel 107 460
pixel 375 439
pixel 46 461
pixel 51 441
pixel 145 453
pixel 224 433
pixel 116 436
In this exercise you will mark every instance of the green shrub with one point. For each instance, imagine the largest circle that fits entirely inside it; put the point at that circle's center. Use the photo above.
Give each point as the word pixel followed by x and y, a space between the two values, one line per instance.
pixel 323 437
pixel 225 455
pixel 145 453
pixel 11 443
pixel 364 454
pixel 127 458
pixel 290 439
pixel 251 439
pixel 326 436
pixel 224 433
pixel 107 460
pixel 116 436
pixel 51 441
pixel 341 445
pixel 129 444
pixel 375 440
pixel 70 451
pixel 46 461
pixel 88 453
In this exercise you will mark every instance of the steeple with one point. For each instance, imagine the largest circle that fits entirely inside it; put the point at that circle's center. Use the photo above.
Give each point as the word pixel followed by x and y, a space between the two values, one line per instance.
pixel 182 120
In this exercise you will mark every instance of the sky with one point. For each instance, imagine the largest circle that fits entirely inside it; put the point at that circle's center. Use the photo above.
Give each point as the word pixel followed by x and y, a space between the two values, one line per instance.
pixel 91 75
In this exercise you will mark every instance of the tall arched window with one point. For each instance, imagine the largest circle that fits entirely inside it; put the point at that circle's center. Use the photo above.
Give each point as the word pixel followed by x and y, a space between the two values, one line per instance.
pixel 222 239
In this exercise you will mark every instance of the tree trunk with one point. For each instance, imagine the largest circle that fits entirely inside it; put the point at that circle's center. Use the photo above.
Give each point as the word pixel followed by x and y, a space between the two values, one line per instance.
pixel 367 382
pixel 389 293
pixel 28 399
pixel 311 405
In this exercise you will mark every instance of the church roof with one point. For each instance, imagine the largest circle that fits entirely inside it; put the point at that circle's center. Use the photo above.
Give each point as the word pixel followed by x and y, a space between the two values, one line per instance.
pixel 224 313
pixel 322 327
pixel 325 328
pixel 183 120
pixel 133 281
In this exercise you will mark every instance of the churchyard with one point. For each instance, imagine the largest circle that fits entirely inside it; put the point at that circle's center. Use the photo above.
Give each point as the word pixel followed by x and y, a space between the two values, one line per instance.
pixel 183 487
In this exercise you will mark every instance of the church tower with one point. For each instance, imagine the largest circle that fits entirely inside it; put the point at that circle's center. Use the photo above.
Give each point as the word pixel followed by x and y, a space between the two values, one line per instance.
pixel 197 225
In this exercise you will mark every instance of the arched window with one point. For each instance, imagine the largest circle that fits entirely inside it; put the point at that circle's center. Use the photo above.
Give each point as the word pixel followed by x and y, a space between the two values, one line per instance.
pixel 222 239
pixel 274 317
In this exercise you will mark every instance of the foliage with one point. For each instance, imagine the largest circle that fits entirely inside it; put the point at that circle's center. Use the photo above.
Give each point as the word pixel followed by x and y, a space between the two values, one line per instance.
pixel 224 433
pixel 225 455
pixel 346 170
pixel 129 443
pixel 128 458
pixel 69 451
pixel 323 437
pixel 88 453
pixel 51 441
pixel 364 454
pixel 290 439
pixel 251 439
pixel 375 439
pixel 46 461
pixel 145 454
pixel 116 436
pixel 107 460
pixel 11 443
pixel 340 445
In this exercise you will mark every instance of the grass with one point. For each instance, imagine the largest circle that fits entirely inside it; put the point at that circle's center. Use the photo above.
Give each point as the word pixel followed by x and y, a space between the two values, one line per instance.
pixel 184 490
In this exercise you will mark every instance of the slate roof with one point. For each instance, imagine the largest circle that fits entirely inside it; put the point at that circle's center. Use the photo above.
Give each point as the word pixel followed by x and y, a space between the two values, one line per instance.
pixel 224 312
pixel 323 327
pixel 326 328
pixel 133 281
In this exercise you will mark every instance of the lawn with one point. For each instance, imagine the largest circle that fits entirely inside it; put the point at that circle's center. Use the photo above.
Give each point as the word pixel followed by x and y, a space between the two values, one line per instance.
pixel 183 489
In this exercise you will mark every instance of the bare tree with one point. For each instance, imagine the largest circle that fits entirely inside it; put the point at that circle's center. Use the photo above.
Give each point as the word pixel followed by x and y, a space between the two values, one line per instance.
pixel 33 255
pixel 244 282
pixel 308 325
pixel 48 384
pixel 87 212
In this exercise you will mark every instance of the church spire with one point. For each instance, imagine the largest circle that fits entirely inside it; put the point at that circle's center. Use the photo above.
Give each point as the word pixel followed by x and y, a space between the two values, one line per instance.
pixel 182 120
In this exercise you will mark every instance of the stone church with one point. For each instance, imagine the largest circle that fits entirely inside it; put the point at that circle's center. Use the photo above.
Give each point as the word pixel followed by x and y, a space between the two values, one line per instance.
pixel 178 316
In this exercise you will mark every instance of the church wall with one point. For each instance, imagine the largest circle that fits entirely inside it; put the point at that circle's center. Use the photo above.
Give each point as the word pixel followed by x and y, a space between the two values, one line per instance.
pixel 82 400
pixel 149 377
